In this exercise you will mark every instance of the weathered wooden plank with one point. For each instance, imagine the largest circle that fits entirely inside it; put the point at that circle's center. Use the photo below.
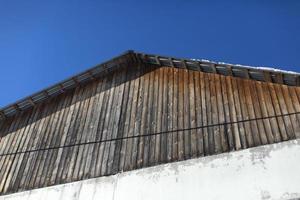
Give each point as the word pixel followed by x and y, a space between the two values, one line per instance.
pixel 100 128
pixel 297 90
pixel 192 112
pixel 40 125
pixel 258 115
pixel 144 121
pixel 180 123
pixel 5 171
pixel 13 148
pixel 215 115
pixel 238 111
pixel 284 110
pixel 233 117
pixel 209 114
pixel 245 113
pixel 228 127
pixel 157 117
pixel 19 157
pixel 5 148
pixel 291 109
pixel 107 128
pixel 271 113
pixel 159 76
pixel 87 136
pixel 117 103
pixel 203 85
pixel 124 150
pixel 164 124
pixel 221 115
pixel 3 123
pixel 278 112
pixel 94 149
pixel 70 117
pixel 295 102
pixel 137 121
pixel 72 126
pixel 153 92
pixel 71 174
pixel 129 148
pixel 62 136
pixel 8 135
pixel 264 113
pixel 170 112
pixel 22 158
pixel 53 140
pixel 250 107
pixel 48 140
pixel 121 124
pixel 186 115
pixel 175 115
pixel 36 162
pixel 33 141
pixel 198 113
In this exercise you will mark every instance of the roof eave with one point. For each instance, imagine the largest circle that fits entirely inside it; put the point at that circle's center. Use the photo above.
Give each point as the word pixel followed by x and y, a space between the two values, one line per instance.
pixel 131 56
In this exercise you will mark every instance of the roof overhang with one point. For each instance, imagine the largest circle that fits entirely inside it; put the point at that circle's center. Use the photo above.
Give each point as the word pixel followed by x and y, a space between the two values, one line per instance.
pixel 132 57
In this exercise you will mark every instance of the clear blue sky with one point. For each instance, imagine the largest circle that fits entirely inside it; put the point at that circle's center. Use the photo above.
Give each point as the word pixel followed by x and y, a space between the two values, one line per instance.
pixel 43 42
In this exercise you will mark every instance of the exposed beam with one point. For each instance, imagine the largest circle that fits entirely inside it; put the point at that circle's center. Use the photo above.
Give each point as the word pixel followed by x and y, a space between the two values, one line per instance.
pixel 157 60
pixel 229 70
pixel 30 100
pixel 17 107
pixel 213 67
pixel 267 76
pixel 62 89
pixel 279 78
pixel 297 80
pixel 2 115
pixel 184 63
pixel 246 72
pixel 171 62
pixel 92 75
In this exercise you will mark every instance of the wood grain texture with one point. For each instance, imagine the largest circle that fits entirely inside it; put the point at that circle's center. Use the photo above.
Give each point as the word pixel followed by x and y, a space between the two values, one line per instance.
pixel 146 115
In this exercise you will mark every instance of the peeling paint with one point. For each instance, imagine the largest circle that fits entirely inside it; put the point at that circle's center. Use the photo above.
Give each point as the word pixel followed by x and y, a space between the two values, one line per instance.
pixel 265 195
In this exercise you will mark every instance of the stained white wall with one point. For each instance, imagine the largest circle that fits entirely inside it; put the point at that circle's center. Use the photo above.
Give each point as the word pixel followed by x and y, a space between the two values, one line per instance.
pixel 266 172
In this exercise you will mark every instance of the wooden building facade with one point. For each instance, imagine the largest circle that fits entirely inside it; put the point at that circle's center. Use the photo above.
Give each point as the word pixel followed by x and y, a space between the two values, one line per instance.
pixel 142 110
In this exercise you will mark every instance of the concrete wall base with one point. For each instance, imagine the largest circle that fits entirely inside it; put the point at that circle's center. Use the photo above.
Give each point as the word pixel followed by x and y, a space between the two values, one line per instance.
pixel 265 172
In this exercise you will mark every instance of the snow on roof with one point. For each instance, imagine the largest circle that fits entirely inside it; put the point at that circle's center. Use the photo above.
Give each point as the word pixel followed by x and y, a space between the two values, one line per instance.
pixel 271 69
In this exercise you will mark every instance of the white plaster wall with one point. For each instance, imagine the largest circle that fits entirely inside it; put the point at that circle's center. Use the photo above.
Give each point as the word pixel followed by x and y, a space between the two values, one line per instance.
pixel 266 172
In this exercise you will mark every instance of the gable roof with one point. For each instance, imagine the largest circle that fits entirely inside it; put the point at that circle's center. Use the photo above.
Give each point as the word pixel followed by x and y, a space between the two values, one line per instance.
pixel 132 57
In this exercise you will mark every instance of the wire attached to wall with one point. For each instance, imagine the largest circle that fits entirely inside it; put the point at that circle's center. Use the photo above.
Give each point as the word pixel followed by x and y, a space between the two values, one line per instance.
pixel 145 135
